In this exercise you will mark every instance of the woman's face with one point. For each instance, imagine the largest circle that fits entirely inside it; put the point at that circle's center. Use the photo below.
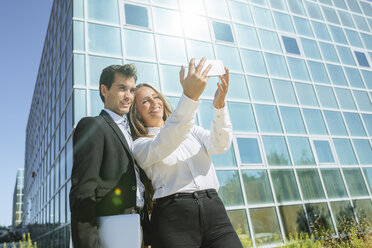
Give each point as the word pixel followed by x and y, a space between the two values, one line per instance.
pixel 150 107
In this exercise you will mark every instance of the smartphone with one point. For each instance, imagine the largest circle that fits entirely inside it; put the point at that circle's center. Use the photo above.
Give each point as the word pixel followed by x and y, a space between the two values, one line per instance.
pixel 217 67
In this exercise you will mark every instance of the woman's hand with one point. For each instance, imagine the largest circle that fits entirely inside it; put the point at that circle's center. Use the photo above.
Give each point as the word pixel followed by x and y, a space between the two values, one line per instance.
pixel 220 95
pixel 194 84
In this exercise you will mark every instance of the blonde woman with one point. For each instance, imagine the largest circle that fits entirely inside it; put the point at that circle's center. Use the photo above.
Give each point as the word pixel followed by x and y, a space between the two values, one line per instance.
pixel 175 155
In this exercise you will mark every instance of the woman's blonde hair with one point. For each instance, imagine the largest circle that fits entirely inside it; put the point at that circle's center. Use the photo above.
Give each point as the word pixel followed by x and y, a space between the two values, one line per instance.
pixel 136 124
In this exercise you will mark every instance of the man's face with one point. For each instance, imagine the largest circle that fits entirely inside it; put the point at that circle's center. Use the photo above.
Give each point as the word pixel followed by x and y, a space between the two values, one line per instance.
pixel 120 95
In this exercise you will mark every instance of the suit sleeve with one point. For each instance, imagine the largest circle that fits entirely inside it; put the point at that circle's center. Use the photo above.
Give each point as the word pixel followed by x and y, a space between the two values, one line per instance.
pixel 88 144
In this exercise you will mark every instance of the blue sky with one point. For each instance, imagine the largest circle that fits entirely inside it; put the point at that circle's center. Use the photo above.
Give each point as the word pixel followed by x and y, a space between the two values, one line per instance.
pixel 23 26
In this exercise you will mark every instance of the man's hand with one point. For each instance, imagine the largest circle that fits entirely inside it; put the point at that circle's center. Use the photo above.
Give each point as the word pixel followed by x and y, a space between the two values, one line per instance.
pixel 220 95
pixel 194 84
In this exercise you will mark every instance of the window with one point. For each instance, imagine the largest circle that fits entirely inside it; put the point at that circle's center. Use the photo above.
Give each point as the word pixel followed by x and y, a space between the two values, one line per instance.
pixel 326 97
pixel 329 52
pixel 263 17
pixel 276 65
pixel 196 27
pixel 345 98
pixel 345 55
pixel 79 69
pixel 139 45
pixel 296 7
pixel 194 6
pixel 319 218
pixel 313 10
pixel 292 120
pixel 363 101
pixel 337 75
pixel 335 123
pixel 285 185
pixel 311 49
pixel 268 118
pixel 249 151
pixel 199 49
pixel 257 186
pixel 363 210
pixel 354 77
pixel 298 69
pixel 318 72
pixel 260 89
pixel 367 75
pixel 247 36
pixel 276 150
pixel 171 49
pixel 330 15
pixel 147 72
pixel 284 91
pixel 78 36
pixel 363 150
pixel 253 62
pixel 367 40
pixel 345 152
pixel 283 22
pixel 169 76
pixel 362 59
pixel 355 182
pixel 136 15
pixel 361 23
pixel 321 31
pixel 240 12
pixel 301 151
pixel 217 9
pixel 265 225
pixel 167 21
pixel 343 213
pixel 306 94
pixel 323 151
pixel 269 41
pixel 367 118
pixel 242 117
pixel 230 188
pixel 354 124
pixel 294 220
pixel 239 220
pixel 222 32
pixel 333 183
pixel 237 90
pixel 230 57
pixel 311 185
pixel 106 11
pixel 368 175
pixel 346 19
pixel 303 26
pixel 338 35
pixel 104 39
pixel 354 38
pixel 97 64
pixel 226 159
pixel 290 45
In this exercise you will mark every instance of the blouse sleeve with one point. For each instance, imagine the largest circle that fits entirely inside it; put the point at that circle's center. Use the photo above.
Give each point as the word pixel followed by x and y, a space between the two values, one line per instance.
pixel 178 125
pixel 219 139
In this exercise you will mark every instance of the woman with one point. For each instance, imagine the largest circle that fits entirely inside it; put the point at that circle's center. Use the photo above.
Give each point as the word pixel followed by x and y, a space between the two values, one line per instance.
pixel 175 155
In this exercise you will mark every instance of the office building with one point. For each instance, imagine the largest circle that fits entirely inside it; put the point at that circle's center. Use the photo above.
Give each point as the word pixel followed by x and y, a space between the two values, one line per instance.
pixel 299 100
pixel 18 199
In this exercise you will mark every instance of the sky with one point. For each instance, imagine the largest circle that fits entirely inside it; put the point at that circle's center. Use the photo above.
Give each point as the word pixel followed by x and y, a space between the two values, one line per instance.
pixel 23 26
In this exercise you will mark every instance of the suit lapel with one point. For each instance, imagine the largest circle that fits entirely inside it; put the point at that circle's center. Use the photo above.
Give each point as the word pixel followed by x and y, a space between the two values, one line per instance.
pixel 116 129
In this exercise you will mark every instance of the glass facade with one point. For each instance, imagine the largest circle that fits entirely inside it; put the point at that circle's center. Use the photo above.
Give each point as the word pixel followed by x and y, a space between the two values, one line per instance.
pixel 300 102
pixel 18 199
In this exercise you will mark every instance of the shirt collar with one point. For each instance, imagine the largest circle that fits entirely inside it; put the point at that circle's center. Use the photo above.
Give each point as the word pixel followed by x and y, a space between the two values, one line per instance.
pixel 153 130
pixel 117 118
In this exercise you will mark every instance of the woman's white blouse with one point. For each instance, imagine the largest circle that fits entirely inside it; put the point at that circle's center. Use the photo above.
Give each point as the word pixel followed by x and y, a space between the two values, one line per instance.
pixel 177 157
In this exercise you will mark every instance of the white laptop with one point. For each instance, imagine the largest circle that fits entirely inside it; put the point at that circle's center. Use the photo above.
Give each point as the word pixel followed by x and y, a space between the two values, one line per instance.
pixel 120 231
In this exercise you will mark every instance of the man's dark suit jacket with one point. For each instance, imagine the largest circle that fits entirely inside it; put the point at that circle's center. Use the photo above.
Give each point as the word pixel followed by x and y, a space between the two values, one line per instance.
pixel 103 177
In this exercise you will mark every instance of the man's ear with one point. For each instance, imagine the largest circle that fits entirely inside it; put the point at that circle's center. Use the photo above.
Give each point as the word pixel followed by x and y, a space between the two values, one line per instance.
pixel 103 90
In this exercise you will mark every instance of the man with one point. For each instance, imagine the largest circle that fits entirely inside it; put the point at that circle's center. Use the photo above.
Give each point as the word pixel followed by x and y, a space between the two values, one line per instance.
pixel 105 179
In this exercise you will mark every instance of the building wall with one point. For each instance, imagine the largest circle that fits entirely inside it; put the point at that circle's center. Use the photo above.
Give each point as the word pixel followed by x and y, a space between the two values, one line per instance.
pixel 299 99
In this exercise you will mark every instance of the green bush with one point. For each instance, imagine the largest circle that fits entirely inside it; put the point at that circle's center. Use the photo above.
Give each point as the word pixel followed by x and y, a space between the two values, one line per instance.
pixel 25 243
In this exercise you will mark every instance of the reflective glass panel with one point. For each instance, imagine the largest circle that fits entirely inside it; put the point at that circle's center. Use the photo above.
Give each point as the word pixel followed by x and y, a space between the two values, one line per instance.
pixel 343 215
pixel 80 110
pixel 194 6
pixel 346 19
pixel 301 151
pixel 306 94
pixel 296 7
pixel 354 77
pixel 345 98
pixel 167 21
pixel 329 52
pixel 337 75
pixel 323 150
pixel 367 40
pixel 363 150
pixel 321 31
pixel 326 96
pixel 260 89
pixel 198 49
pixel 290 45
pixel 147 73
pixel 298 69
pixel 226 159
pixel 363 210
pixel 283 22
pixel 276 65
pixel 79 69
pixel 354 38
pixel 171 49
pixel 230 57
pixel 79 43
pixel 246 36
pixel 196 27
pixel 217 9
pixel 240 12
pixel 346 55
pixel 242 117
pixel 169 77
pixel 222 31
pixel 367 75
pixel 318 72
pixel 362 59
pixel 355 182
pixel 292 120
pixel 278 4
pixel 319 218
pixel 135 15
pixel 303 26
pixel 311 49
pixel 238 89
pixel 95 104
pixel 311 185
pixel 104 39
pixel 253 62
pixel 104 11
pixel 363 101
pixel 361 23
pixel 333 183
pixel 249 151
pixel 345 152
pixel 230 188
pixel 257 186
pixel 262 17
pixel 238 219
pixel 276 150
pixel 284 91
pixel 139 44
pixel 368 175
pixel 265 226
pixel 335 123
pixel 367 118
pixel 285 185
pixel 268 118
pixel 330 15
pixel 354 124
pixel 294 220
pixel 314 10
pixel 338 35
pixel 269 41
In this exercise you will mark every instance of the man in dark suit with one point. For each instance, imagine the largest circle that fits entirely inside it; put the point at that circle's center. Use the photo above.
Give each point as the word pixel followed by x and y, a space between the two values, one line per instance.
pixel 105 178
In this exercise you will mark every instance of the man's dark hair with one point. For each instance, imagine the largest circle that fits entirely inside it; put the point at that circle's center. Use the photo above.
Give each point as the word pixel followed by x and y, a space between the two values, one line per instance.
pixel 108 74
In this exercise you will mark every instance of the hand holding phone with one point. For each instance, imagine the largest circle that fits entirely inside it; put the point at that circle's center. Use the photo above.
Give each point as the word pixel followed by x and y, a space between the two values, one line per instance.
pixel 217 69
